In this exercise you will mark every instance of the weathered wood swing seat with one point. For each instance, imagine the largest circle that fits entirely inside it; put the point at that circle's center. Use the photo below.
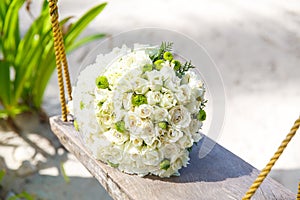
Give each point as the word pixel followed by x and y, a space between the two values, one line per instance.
pixel 219 175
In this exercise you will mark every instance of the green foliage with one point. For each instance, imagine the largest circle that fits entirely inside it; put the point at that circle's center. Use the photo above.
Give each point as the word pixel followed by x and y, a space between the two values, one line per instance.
pixel 2 174
pixel 22 195
pixel 63 172
pixel 27 63
pixel 164 47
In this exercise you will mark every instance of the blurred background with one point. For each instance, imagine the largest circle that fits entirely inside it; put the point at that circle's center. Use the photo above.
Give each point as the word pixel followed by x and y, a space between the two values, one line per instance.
pixel 256 46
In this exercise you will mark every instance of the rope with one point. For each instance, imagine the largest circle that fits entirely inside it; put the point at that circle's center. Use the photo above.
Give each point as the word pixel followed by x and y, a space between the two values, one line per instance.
pixel 61 60
pixel 263 174
pixel 298 195
pixel 58 47
pixel 65 64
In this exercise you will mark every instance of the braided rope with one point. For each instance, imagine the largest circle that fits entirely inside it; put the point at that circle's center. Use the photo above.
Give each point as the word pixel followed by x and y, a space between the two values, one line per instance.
pixel 263 174
pixel 57 43
pixel 65 64
pixel 298 195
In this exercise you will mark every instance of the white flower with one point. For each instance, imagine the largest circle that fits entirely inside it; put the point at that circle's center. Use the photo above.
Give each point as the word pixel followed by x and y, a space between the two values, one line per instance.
pixel 186 140
pixel 153 98
pixel 155 79
pixel 144 110
pixel 116 137
pixel 184 94
pixel 133 123
pixel 126 100
pixel 160 114
pixel 137 137
pixel 112 154
pixel 170 151
pixel 148 133
pixel 193 106
pixel 152 157
pixel 198 94
pixel 195 126
pixel 174 135
pixel 140 85
pixel 180 117
pixel 194 81
pixel 168 100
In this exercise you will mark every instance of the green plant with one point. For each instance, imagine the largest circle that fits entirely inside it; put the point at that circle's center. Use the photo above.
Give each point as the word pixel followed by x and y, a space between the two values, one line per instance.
pixel 27 63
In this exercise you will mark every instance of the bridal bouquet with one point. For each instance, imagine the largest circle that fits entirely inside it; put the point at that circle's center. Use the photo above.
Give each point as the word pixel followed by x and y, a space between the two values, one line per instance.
pixel 140 110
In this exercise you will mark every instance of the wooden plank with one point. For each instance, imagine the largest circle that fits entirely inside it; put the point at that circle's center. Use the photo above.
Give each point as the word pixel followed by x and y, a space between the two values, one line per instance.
pixel 219 175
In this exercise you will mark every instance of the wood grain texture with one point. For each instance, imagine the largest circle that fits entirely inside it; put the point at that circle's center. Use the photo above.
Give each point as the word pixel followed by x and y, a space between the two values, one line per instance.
pixel 219 175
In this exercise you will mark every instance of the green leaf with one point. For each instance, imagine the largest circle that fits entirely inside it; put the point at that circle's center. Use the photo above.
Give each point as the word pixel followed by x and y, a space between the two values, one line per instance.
pixel 82 23
pixel 63 172
pixel 22 195
pixel 30 51
pixel 84 40
pixel 11 33
pixel 2 174
pixel 5 83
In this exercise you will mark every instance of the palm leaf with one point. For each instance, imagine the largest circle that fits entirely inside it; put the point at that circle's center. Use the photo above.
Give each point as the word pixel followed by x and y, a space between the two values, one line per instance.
pixel 11 33
pixel 84 40
pixel 5 84
pixel 82 23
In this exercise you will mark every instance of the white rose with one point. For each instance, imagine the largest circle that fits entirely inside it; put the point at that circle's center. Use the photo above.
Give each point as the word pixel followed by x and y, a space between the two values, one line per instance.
pixel 116 137
pixel 112 154
pixel 133 123
pixel 136 141
pixel 170 151
pixel 184 94
pixel 160 114
pixel 153 98
pixel 168 100
pixel 180 117
pixel 174 135
pixel 185 141
pixel 148 133
pixel 160 132
pixel 144 110
pixel 152 157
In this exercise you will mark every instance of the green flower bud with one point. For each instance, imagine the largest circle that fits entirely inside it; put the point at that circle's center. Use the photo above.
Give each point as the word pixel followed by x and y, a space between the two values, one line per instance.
pixel 102 82
pixel 177 64
pixel 147 67
pixel 81 106
pixel 158 64
pixel 168 56
pixel 163 125
pixel 76 125
pixel 120 126
pixel 138 99
pixel 165 164
pixel 201 116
